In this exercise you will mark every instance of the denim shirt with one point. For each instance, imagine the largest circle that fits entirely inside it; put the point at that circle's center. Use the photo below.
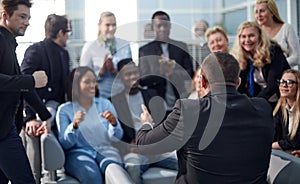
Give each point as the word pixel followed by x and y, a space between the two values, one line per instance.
pixel 72 139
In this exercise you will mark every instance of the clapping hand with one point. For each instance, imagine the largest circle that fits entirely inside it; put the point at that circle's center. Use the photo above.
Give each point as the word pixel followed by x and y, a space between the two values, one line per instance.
pixel 78 118
pixel 107 66
pixel 109 117
pixel 166 65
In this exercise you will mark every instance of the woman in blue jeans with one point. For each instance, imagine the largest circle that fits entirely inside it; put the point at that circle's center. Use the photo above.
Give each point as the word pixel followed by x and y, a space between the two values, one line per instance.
pixel 86 126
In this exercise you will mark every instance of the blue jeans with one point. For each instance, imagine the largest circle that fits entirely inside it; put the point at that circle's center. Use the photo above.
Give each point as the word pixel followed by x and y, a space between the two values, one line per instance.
pixel 137 164
pixel 85 168
pixel 14 164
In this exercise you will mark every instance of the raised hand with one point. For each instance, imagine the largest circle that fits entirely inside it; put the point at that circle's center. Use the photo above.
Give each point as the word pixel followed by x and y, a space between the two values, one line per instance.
pixel 40 79
pixel 146 116
pixel 109 117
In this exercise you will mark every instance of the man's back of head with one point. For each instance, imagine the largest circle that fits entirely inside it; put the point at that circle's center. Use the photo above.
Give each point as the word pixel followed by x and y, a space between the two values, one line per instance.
pixel 54 23
pixel 221 68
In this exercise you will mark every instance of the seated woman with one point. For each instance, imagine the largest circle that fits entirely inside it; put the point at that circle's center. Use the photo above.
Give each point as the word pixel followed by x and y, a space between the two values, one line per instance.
pixel 86 126
pixel 287 112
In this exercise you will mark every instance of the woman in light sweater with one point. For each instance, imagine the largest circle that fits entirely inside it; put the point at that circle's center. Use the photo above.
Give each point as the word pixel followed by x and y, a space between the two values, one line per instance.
pixel 267 16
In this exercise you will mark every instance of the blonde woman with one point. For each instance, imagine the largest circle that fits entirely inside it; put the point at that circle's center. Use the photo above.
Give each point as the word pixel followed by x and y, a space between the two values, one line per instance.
pixel 287 112
pixel 261 62
pixel 267 16
pixel 217 39
pixel 104 53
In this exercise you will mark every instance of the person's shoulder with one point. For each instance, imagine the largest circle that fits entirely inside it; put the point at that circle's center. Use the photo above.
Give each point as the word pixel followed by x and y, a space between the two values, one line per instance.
pixel 37 45
pixel 147 45
pixel 65 106
pixel 287 26
pixel 275 47
pixel 90 43
pixel 260 103
pixel 177 43
pixel 121 41
pixel 102 100
pixel 191 102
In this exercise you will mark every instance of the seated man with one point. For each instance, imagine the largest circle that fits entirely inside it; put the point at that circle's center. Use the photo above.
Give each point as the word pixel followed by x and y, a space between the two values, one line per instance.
pixel 222 137
pixel 128 106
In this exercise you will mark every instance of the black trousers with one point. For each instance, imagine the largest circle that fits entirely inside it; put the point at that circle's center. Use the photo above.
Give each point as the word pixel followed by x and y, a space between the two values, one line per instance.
pixel 14 164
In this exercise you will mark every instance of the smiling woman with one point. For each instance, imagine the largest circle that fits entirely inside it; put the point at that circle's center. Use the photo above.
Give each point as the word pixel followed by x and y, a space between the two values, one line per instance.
pixel 261 62
pixel 287 112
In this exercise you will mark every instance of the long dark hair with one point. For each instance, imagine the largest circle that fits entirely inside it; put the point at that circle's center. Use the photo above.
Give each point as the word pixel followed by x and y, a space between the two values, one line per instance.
pixel 74 79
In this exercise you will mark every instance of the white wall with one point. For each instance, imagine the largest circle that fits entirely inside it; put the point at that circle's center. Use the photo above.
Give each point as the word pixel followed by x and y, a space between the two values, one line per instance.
pixel 125 12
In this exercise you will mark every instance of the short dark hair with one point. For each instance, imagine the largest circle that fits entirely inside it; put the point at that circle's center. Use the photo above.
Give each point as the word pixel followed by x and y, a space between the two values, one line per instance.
pixel 11 5
pixel 124 62
pixel 160 13
pixel 54 23
pixel 75 76
pixel 221 63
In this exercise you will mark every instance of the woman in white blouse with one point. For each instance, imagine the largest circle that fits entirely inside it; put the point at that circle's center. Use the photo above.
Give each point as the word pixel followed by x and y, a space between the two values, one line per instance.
pixel 267 16
pixel 104 53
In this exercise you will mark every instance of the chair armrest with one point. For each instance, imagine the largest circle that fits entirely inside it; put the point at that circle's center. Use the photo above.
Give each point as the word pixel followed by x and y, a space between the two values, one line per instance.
pixel 284 168
pixel 53 156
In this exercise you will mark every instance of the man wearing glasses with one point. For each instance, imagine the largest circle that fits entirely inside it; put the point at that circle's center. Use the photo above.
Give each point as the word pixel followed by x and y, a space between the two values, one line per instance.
pixel 51 56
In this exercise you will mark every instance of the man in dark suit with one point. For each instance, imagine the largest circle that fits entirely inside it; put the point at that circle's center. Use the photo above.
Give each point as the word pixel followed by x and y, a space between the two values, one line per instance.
pixel 51 56
pixel 128 106
pixel 223 137
pixel 164 63
pixel 14 164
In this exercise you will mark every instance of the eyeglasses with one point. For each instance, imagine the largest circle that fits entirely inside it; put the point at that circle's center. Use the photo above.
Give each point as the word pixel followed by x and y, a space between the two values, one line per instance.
pixel 285 83
pixel 69 32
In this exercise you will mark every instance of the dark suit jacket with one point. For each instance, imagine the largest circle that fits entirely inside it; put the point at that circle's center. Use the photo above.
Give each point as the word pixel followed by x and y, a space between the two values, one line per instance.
pixel 121 105
pixel 271 72
pixel 54 60
pixel 224 137
pixel 13 85
pixel 282 133
pixel 149 67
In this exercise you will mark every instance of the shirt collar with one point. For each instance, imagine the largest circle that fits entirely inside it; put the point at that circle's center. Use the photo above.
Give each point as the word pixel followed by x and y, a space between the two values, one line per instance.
pixel 290 110
pixel 10 36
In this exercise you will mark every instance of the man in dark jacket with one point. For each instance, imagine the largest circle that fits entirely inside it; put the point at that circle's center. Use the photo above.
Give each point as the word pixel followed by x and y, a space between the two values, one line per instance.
pixel 165 64
pixel 51 56
pixel 14 165
pixel 223 137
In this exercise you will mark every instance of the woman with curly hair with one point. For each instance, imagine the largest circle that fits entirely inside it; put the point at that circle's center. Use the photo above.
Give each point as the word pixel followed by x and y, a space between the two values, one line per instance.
pixel 261 62
pixel 287 112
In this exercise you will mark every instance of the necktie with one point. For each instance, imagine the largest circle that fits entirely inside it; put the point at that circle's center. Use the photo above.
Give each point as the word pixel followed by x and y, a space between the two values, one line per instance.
pixel 251 78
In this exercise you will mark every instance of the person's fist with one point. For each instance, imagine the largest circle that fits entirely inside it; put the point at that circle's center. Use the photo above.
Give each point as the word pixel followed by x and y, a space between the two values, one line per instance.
pixel 40 79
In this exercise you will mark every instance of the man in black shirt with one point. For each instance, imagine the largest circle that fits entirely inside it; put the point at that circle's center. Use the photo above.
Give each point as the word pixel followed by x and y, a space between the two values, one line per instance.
pixel 14 165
